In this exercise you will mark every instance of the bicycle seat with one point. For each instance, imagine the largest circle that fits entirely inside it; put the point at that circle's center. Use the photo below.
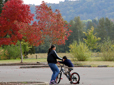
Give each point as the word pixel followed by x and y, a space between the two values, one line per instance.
pixel 70 69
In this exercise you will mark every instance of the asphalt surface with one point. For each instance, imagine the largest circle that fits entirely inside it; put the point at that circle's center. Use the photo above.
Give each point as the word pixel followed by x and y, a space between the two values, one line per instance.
pixel 89 76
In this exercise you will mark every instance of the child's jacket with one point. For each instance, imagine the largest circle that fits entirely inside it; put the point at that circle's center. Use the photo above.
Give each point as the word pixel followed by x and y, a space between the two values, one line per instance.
pixel 67 62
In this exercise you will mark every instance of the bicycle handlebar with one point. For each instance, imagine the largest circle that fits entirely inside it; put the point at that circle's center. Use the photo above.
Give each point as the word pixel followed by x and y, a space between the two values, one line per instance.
pixel 61 65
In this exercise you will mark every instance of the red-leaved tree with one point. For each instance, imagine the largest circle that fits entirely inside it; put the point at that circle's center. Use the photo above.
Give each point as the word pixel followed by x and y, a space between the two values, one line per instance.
pixel 15 25
pixel 52 24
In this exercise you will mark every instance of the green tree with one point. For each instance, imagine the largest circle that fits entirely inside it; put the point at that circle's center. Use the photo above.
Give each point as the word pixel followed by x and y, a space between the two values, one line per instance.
pixel 77 32
pixel 77 28
pixel 26 47
pixel 105 29
pixel 91 39
pixel 90 23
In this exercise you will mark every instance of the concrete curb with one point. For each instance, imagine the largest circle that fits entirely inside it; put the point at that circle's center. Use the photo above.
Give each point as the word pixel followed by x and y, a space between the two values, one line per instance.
pixel 41 66
pixel 82 66
pixel 103 66
pixel 18 64
pixel 38 66
pixel 92 66
pixel 24 83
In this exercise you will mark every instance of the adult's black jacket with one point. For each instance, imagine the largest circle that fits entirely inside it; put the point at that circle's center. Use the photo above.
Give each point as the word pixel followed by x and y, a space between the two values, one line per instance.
pixel 52 57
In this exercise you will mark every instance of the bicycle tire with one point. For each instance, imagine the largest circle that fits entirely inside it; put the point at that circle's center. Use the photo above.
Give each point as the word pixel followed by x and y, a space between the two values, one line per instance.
pixel 72 77
pixel 58 79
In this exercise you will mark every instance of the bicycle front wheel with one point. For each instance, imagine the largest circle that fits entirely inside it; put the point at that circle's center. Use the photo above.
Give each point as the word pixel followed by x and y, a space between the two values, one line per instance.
pixel 58 79
pixel 75 78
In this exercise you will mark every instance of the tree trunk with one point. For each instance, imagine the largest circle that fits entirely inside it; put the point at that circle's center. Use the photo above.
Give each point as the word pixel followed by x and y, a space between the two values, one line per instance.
pixel 21 53
pixel 50 44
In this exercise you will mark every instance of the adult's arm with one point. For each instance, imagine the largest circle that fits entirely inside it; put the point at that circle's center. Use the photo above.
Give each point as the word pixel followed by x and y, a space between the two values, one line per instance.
pixel 57 57
pixel 61 62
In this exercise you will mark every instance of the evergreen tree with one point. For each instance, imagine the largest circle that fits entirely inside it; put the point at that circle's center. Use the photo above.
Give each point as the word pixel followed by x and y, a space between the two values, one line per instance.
pixel 77 28
pixel 105 29
pixel 77 32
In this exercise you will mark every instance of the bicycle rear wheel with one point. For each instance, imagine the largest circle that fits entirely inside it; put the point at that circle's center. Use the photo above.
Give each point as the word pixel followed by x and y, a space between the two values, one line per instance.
pixel 75 78
pixel 58 79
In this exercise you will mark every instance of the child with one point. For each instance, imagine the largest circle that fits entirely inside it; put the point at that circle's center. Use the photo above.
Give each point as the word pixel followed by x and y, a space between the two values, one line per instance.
pixel 68 65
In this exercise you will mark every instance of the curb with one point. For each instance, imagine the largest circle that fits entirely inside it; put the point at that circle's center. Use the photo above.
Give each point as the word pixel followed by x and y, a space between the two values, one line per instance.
pixel 83 66
pixel 24 83
pixel 17 64
pixel 41 66
pixel 103 66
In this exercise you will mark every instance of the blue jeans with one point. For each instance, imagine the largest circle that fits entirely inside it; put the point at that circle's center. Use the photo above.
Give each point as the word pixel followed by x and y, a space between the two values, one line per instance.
pixel 55 70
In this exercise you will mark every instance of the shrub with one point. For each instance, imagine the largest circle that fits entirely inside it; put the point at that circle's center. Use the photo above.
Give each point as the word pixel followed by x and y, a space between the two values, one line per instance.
pixel 107 50
pixel 13 51
pixel 3 54
pixel 80 51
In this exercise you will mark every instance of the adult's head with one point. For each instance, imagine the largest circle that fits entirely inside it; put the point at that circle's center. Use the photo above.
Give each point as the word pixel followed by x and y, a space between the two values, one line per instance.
pixel 64 58
pixel 53 47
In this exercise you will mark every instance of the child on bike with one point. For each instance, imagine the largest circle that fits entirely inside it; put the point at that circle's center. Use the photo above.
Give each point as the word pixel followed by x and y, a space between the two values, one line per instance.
pixel 74 78
pixel 68 65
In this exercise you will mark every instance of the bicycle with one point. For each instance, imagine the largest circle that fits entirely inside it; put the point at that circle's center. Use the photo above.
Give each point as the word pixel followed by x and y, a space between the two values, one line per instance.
pixel 74 77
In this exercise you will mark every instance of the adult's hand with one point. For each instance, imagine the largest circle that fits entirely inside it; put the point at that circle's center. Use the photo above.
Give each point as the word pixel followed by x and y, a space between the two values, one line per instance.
pixel 58 63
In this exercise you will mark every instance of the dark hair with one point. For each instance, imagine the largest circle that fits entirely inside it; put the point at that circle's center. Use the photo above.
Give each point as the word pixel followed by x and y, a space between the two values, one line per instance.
pixel 64 57
pixel 50 49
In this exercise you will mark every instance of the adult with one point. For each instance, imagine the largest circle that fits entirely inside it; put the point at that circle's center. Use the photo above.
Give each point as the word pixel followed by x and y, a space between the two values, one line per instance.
pixel 52 61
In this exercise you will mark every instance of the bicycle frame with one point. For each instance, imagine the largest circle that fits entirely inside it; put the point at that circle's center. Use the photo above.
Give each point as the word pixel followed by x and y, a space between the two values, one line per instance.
pixel 72 77
pixel 62 71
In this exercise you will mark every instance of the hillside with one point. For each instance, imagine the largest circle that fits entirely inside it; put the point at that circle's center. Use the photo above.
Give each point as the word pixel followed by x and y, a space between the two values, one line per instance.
pixel 86 9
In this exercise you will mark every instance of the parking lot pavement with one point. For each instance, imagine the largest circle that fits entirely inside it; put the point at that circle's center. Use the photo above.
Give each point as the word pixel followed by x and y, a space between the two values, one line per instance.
pixel 89 76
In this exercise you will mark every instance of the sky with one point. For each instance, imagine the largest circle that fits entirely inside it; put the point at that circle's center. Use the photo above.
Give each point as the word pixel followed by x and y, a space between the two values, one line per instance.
pixel 38 2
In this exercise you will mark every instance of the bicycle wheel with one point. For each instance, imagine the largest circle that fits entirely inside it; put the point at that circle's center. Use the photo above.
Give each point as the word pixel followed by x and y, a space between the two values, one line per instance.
pixel 58 79
pixel 75 78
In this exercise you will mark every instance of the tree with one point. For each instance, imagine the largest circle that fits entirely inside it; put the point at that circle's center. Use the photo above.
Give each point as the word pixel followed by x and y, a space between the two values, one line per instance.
pixel 91 23
pixel 91 39
pixel 15 25
pixel 105 29
pixel 77 31
pixel 26 48
pixel 52 24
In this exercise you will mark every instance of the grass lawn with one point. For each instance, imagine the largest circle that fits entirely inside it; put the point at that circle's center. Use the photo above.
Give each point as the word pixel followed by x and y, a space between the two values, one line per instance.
pixel 24 60
pixel 95 63
pixel 44 55
pixel 41 57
